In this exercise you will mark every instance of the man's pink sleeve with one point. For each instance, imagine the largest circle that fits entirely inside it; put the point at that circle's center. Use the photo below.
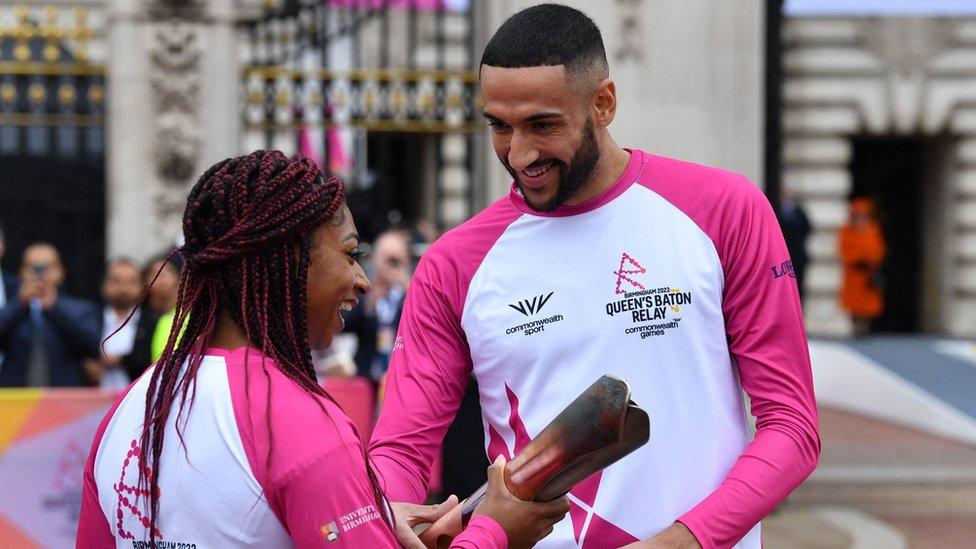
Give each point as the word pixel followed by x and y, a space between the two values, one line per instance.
pixel 428 374
pixel 764 324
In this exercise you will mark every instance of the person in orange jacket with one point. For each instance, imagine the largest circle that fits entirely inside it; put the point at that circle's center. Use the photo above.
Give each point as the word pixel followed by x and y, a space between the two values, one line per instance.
pixel 862 249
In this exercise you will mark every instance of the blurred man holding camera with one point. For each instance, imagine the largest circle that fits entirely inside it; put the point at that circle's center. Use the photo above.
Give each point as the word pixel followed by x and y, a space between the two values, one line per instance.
pixel 45 334
pixel 8 284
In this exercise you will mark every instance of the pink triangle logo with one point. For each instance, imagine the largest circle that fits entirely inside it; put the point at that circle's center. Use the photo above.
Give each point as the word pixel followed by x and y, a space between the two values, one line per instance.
pixel 629 266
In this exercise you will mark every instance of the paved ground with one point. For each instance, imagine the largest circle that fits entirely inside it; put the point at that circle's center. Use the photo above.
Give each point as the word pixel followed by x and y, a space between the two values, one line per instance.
pixel 881 484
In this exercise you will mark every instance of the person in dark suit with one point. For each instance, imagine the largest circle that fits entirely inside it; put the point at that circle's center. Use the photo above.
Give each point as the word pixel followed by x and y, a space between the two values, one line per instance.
pixel 8 284
pixel 45 334
pixel 796 230
pixel 374 320
pixel 126 351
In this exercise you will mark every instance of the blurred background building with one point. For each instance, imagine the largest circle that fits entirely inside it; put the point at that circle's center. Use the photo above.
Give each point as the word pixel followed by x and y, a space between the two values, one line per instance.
pixel 109 110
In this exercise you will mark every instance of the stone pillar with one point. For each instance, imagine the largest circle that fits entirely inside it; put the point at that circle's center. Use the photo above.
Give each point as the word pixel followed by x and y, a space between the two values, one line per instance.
pixel 173 111
pixel 455 180
pixel 962 292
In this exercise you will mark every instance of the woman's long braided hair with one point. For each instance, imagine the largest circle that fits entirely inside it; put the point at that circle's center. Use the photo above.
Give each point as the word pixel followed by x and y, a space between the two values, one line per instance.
pixel 247 225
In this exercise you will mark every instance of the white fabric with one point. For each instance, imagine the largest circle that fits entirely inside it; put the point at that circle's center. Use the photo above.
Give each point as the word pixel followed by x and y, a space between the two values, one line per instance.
pixel 221 503
pixel 120 344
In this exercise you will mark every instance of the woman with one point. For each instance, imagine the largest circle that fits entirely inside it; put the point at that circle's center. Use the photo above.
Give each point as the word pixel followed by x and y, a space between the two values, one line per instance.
pixel 229 441
pixel 162 277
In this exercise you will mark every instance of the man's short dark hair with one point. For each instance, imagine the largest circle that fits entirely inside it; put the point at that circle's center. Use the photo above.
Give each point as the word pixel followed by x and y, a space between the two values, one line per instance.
pixel 547 35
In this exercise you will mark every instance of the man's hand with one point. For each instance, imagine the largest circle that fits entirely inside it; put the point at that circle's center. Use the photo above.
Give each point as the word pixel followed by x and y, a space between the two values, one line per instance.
pixel 409 515
pixel 525 522
pixel 38 288
pixel 49 294
pixel 30 288
pixel 676 536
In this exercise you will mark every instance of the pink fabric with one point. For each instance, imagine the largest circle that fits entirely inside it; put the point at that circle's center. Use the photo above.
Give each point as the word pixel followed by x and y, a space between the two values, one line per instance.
pixel 355 395
pixel 431 362
pixel 419 5
pixel 764 322
pixel 482 532
pixel 93 529
pixel 309 144
pixel 307 456
pixel 631 174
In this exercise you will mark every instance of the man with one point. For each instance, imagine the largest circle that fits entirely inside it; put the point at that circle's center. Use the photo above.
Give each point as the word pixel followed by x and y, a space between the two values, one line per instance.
pixel 796 230
pixel 605 260
pixel 126 353
pixel 375 319
pixel 45 334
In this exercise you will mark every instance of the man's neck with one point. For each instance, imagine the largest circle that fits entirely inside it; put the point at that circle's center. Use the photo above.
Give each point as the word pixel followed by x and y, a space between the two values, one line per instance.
pixel 608 170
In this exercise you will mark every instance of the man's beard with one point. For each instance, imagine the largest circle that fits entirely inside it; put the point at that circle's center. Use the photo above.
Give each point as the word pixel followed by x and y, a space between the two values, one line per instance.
pixel 120 303
pixel 571 177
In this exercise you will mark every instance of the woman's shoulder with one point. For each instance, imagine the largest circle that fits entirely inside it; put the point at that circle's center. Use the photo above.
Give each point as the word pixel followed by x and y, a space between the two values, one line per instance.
pixel 277 417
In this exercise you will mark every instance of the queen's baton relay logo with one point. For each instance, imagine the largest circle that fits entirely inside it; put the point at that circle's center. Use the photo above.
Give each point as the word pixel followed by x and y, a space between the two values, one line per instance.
pixel 652 310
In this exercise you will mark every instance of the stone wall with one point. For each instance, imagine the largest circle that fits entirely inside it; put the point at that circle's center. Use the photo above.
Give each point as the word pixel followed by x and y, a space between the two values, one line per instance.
pixel 884 76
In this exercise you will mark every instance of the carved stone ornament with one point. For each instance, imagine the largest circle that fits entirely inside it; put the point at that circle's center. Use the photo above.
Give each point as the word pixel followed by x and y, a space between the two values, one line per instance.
pixel 166 9
pixel 906 44
pixel 175 81
pixel 629 48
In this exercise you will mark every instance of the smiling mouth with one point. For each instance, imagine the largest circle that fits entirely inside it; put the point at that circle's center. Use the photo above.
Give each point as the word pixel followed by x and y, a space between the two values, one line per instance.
pixel 346 307
pixel 539 171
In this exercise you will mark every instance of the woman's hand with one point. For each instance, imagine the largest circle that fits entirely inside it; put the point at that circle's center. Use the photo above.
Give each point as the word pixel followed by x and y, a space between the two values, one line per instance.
pixel 409 515
pixel 525 522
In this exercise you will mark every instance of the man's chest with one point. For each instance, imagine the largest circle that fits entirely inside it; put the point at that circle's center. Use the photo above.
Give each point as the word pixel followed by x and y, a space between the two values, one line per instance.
pixel 634 279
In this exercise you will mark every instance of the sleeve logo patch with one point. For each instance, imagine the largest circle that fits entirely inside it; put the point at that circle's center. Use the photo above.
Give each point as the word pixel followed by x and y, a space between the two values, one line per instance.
pixel 350 521
pixel 784 269
pixel 330 531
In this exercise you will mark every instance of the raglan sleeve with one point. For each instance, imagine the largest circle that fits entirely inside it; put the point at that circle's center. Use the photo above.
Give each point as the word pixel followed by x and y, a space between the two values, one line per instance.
pixel 764 325
pixel 428 374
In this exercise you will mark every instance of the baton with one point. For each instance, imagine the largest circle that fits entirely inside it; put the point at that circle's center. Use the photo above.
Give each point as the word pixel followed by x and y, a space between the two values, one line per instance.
pixel 596 430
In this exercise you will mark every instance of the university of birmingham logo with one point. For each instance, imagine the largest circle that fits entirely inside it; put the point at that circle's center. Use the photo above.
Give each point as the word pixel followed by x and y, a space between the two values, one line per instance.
pixel 533 306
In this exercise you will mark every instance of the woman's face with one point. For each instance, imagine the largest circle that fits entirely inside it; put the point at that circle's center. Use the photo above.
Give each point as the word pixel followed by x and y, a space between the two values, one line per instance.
pixel 335 279
pixel 163 293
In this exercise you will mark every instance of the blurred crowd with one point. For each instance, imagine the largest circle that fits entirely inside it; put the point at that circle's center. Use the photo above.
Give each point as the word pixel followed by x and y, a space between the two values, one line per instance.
pixel 51 338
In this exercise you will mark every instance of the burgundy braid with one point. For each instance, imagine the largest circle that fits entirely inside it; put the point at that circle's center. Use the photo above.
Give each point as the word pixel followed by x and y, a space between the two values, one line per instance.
pixel 244 219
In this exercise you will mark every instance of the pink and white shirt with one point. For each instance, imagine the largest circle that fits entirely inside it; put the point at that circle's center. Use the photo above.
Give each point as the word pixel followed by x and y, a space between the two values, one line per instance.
pixel 263 465
pixel 677 280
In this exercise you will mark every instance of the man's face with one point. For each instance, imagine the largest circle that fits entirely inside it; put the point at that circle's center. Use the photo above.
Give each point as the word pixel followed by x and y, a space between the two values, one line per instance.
pixel 122 287
pixel 542 131
pixel 391 259
pixel 42 262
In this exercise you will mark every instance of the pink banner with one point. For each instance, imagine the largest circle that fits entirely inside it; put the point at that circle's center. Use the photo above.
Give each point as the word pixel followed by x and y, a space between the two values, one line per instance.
pixel 419 5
